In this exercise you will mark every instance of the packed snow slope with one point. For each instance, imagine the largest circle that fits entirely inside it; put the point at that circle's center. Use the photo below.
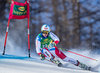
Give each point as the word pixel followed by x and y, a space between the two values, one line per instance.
pixel 23 64
pixel 17 61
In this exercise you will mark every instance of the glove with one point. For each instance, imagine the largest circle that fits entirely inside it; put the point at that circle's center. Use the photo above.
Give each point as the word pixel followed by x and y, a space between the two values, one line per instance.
pixel 42 56
pixel 52 45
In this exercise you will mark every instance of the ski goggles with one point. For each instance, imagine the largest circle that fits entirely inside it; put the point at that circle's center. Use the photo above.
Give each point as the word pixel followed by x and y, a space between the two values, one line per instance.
pixel 45 32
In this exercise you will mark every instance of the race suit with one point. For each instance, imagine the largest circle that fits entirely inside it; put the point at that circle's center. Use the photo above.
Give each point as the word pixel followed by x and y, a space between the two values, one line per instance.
pixel 43 42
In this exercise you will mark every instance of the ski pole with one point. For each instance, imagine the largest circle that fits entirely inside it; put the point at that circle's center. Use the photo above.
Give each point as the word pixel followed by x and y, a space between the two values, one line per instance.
pixel 80 55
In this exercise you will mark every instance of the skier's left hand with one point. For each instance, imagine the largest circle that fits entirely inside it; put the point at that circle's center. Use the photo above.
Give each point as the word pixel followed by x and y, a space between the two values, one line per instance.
pixel 42 56
pixel 52 45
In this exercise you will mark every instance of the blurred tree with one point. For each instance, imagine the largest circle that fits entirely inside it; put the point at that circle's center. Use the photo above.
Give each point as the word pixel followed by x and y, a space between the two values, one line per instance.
pixel 2 8
pixel 89 22
pixel 65 26
pixel 76 23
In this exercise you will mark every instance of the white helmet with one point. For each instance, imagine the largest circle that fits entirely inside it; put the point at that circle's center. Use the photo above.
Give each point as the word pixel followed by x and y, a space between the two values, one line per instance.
pixel 45 27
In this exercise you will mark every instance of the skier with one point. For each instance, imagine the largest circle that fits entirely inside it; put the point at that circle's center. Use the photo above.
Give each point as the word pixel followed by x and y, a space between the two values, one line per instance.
pixel 47 49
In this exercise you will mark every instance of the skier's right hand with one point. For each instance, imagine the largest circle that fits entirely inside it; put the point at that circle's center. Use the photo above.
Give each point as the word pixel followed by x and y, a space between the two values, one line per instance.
pixel 42 56
pixel 51 45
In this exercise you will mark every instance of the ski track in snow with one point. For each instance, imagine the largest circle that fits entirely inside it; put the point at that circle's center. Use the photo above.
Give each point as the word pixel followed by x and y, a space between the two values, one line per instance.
pixel 18 64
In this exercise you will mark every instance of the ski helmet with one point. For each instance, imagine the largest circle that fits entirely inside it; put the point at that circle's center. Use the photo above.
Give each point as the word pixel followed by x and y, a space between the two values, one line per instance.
pixel 45 27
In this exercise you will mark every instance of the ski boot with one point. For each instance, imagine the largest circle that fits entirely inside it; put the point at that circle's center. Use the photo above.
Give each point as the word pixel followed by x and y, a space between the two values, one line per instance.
pixel 59 64
pixel 83 66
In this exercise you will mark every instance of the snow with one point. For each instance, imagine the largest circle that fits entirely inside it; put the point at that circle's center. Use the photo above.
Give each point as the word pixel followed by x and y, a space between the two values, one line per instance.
pixel 17 61
pixel 23 64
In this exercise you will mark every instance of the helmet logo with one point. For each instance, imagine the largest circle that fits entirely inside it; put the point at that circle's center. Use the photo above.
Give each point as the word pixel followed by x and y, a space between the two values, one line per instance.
pixel 45 28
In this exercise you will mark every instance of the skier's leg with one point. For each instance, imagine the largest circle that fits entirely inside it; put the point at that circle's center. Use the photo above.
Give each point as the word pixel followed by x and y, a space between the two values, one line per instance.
pixel 83 66
pixel 64 57
pixel 71 60
pixel 47 54
pixel 55 58
pixel 77 63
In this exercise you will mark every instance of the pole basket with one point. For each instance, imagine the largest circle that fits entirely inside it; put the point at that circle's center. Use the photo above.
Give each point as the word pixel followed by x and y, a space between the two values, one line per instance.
pixel 29 53
pixel 3 51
